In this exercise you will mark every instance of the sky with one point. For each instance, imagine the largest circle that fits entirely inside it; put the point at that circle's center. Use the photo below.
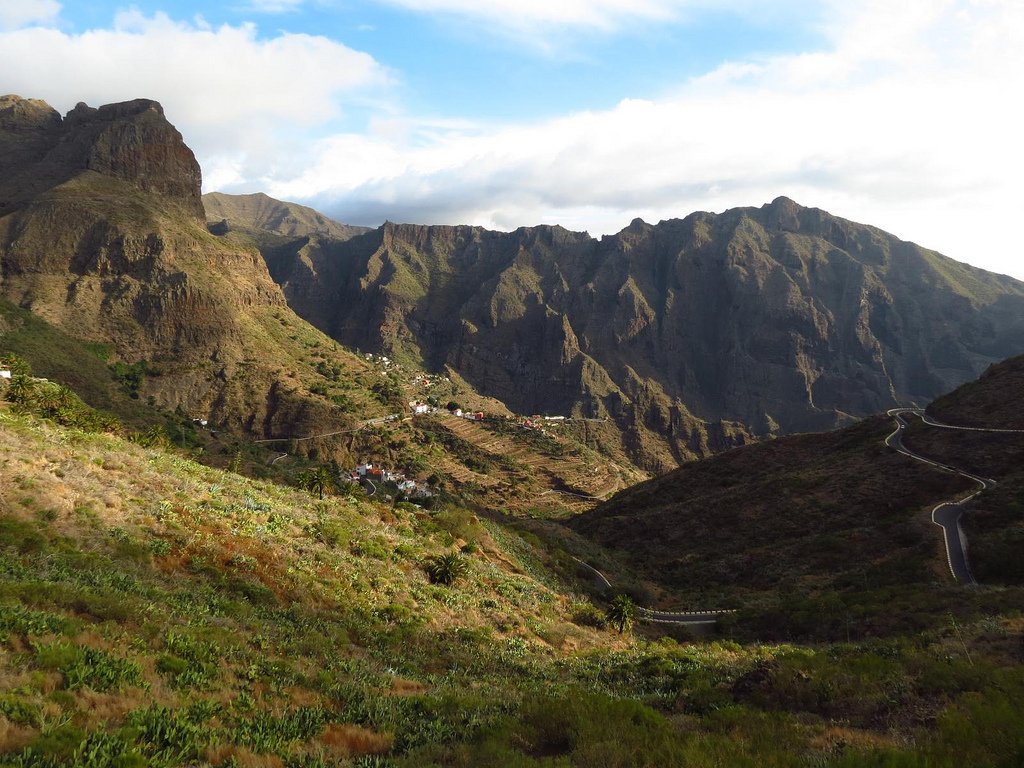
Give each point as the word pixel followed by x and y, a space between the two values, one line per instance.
pixel 584 113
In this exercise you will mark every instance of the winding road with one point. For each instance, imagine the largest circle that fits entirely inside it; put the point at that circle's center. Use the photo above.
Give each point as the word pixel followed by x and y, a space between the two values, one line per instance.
pixel 948 514
pixel 656 617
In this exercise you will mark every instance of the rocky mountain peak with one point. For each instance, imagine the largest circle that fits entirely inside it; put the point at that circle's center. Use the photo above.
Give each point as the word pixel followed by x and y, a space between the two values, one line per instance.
pixel 131 141
pixel 27 115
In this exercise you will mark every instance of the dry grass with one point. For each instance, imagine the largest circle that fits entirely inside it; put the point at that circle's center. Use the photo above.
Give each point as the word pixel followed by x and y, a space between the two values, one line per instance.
pixel 14 737
pixel 242 757
pixel 344 741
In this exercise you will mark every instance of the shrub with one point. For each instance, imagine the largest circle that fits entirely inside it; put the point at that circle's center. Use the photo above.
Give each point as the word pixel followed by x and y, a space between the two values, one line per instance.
pixel 446 569
pixel 586 614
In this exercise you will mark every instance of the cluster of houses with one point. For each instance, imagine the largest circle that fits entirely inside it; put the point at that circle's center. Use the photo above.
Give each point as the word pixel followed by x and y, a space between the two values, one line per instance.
pixel 420 408
pixel 412 488
pixel 385 362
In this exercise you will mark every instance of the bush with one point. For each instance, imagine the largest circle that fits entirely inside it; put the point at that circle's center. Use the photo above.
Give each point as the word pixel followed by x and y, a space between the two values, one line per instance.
pixel 586 614
pixel 446 569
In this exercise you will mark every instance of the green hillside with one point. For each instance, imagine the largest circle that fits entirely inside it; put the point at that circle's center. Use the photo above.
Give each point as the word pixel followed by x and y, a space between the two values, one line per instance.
pixel 157 612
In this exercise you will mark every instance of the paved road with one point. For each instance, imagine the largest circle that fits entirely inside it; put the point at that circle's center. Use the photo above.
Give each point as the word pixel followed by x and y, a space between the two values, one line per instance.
pixel 657 617
pixel 948 514
pixel 680 617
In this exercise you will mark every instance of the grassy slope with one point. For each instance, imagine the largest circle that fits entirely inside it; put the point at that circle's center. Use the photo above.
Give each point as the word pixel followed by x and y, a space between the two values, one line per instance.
pixel 75 363
pixel 157 612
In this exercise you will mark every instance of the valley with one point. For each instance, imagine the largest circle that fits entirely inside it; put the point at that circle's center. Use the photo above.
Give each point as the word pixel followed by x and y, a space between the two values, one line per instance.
pixel 278 491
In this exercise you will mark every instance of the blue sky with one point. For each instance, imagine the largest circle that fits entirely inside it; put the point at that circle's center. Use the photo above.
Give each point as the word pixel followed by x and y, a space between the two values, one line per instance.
pixel 585 113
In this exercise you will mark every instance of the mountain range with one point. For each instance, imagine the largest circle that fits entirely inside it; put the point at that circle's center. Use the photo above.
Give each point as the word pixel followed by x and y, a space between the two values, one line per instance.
pixel 691 334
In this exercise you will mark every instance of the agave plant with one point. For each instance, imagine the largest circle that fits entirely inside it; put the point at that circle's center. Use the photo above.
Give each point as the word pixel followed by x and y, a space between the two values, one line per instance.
pixel 447 569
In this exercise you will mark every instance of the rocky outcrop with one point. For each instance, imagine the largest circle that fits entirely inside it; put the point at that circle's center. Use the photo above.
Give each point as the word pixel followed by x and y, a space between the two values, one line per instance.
pixel 780 318
pixel 103 234
pixel 131 141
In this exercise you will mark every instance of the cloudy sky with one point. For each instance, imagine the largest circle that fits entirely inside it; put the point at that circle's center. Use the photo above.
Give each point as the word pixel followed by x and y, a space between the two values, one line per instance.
pixel 585 113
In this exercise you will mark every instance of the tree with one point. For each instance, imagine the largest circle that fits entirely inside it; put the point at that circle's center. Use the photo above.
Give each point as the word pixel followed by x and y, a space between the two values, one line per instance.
pixel 447 569
pixel 621 612
pixel 317 480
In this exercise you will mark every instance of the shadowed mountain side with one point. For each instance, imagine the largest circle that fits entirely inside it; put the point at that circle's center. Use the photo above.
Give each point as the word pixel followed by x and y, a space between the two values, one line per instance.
pixel 805 511
pixel 779 318
pixel 994 400
pixel 835 510
pixel 994 524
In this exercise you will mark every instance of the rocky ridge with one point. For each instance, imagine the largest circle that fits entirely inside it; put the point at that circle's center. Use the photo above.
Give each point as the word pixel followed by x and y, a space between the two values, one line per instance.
pixel 688 334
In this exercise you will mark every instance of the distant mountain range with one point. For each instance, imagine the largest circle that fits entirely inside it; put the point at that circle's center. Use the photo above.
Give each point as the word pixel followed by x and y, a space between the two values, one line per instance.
pixel 690 334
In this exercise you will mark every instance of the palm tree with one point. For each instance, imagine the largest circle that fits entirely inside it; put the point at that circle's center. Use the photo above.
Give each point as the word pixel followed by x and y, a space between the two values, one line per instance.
pixel 621 612
pixel 317 480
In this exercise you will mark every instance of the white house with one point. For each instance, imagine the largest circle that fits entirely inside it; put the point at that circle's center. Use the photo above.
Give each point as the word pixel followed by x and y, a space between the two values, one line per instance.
pixel 5 374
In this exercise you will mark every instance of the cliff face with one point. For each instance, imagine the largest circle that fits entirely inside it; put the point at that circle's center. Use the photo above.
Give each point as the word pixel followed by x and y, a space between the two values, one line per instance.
pixel 131 141
pixel 780 318
pixel 102 233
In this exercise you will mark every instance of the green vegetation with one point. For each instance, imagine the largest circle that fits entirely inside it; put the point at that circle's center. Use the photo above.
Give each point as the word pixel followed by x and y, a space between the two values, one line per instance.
pixel 318 480
pixel 157 612
pixel 78 365
pixel 447 568
pixel 622 612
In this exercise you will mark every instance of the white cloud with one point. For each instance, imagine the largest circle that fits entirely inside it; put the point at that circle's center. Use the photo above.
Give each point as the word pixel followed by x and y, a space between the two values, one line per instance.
pixel 273 6
pixel 909 121
pixel 18 13
pixel 241 100
pixel 543 23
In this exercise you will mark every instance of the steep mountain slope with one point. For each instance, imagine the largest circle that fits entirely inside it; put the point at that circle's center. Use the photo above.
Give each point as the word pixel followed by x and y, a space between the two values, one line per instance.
pixel 994 400
pixel 102 234
pixel 831 513
pixel 779 318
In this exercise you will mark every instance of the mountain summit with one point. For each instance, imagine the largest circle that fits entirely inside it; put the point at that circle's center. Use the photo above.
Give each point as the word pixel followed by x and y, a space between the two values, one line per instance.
pixel 103 234
pixel 131 141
